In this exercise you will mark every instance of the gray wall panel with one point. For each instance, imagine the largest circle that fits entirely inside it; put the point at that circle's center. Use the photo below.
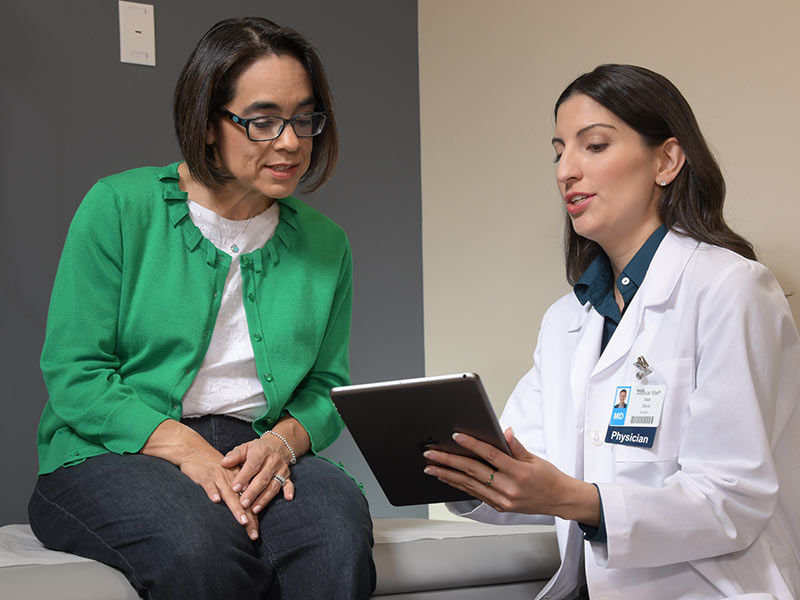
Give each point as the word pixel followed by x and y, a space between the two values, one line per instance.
pixel 72 113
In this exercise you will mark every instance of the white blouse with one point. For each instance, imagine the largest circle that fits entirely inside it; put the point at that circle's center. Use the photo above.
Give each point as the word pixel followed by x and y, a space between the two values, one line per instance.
pixel 227 383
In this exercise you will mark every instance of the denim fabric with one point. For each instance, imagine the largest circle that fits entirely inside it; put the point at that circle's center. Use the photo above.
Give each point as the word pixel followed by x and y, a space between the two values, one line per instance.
pixel 142 516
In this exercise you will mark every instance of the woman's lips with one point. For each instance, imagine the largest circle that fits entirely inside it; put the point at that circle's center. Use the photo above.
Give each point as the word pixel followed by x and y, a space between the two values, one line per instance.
pixel 577 202
pixel 282 171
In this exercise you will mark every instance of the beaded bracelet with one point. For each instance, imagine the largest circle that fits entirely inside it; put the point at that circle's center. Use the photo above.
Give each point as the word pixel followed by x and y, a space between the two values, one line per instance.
pixel 285 443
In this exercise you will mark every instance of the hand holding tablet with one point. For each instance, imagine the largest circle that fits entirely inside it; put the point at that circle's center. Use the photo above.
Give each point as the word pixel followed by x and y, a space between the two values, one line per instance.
pixel 394 422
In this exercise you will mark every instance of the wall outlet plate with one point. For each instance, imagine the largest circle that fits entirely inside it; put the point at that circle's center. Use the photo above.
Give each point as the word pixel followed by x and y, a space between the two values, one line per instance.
pixel 137 33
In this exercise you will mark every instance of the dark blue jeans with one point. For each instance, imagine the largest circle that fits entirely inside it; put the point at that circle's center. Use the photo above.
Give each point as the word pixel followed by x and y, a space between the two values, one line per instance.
pixel 142 516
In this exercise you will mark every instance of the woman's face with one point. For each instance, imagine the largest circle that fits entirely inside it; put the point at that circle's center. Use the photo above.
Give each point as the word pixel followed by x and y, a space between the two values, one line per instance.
pixel 606 175
pixel 271 86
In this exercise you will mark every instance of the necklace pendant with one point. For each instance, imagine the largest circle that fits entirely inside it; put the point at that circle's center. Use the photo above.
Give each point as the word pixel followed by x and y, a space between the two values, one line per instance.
pixel 234 248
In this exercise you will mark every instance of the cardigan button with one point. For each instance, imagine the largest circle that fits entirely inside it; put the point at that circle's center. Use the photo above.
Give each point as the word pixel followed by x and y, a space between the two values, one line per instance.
pixel 257 337
pixel 268 377
pixel 251 296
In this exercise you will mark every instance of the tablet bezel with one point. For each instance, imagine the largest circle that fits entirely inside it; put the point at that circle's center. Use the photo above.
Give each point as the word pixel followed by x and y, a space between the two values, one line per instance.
pixel 392 422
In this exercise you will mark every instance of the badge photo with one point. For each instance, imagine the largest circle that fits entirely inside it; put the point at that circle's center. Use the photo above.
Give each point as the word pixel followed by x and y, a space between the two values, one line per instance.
pixel 620 409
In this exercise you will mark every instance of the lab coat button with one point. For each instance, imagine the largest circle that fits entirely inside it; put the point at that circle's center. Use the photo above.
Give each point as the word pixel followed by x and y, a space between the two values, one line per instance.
pixel 596 437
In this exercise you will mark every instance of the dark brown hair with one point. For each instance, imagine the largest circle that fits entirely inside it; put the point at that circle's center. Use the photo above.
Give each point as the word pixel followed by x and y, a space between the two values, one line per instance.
pixel 207 84
pixel 651 105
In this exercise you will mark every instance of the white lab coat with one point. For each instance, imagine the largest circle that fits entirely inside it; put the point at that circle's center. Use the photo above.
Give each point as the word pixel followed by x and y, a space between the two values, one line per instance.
pixel 712 510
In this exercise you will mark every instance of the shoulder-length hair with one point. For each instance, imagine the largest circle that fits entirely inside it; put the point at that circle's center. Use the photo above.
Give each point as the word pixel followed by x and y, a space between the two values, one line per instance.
pixel 207 83
pixel 651 105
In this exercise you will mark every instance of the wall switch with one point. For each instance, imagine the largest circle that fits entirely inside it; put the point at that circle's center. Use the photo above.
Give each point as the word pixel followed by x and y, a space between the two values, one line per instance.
pixel 137 33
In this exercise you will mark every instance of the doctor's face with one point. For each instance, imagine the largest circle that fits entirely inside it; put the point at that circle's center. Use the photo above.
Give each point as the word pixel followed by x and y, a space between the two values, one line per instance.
pixel 606 175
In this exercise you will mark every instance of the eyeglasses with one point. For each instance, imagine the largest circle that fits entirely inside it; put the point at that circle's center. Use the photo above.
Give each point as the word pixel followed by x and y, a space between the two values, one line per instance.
pixel 264 129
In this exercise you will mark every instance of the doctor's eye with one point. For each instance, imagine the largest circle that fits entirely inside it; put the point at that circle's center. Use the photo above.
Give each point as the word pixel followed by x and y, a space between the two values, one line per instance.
pixel 596 147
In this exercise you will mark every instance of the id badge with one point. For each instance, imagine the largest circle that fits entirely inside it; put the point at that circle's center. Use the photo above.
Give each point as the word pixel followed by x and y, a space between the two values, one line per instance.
pixel 636 414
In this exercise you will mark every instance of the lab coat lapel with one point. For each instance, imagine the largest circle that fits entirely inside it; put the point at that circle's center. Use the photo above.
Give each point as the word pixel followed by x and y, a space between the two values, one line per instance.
pixel 663 275
pixel 585 334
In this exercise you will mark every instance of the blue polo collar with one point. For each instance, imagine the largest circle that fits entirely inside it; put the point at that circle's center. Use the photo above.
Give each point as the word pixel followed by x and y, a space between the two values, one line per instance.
pixel 596 283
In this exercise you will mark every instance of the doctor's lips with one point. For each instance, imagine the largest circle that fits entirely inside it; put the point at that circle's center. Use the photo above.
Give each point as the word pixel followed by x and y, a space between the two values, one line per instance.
pixel 576 201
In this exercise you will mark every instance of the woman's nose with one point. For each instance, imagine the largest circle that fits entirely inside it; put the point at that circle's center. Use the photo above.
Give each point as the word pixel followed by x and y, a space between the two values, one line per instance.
pixel 287 140
pixel 568 168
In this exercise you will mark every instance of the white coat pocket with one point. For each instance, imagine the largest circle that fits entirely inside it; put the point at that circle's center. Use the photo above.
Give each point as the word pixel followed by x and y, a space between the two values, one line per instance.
pixel 638 464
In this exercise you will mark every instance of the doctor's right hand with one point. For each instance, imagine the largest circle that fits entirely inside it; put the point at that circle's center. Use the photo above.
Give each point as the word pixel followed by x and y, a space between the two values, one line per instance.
pixel 521 483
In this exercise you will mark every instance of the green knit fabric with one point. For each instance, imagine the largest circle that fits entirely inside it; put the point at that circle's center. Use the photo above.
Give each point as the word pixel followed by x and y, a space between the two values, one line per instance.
pixel 134 304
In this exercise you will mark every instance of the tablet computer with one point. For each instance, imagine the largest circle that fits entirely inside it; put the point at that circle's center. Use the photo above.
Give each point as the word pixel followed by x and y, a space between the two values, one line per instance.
pixel 393 422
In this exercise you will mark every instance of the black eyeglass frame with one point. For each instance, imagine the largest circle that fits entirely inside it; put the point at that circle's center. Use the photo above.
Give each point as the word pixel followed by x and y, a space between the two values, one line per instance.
pixel 246 123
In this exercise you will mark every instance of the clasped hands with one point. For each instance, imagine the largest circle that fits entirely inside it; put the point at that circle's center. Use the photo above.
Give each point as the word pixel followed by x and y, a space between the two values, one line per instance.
pixel 520 483
pixel 243 478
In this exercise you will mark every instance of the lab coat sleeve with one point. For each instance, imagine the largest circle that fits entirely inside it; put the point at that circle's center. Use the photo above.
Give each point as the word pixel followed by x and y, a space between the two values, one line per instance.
pixel 746 386
pixel 523 412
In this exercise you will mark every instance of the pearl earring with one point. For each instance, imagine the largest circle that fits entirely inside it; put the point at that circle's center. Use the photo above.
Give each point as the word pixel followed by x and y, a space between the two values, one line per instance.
pixel 663 183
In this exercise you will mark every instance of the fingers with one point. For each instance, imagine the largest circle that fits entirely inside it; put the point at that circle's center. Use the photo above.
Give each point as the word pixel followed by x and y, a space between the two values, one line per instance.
pixel 243 515
pixel 470 466
pixel 516 447
pixel 487 452
pixel 264 486
pixel 250 457
pixel 272 489
pixel 486 489
pixel 259 462
pixel 235 457
pixel 254 477
pixel 211 491
pixel 216 481
pixel 509 435
pixel 288 490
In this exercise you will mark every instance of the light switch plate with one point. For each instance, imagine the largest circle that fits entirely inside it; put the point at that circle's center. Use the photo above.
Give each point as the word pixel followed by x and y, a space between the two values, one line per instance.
pixel 137 33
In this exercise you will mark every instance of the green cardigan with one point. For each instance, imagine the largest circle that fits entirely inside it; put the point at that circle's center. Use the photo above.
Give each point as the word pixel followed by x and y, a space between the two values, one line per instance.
pixel 135 300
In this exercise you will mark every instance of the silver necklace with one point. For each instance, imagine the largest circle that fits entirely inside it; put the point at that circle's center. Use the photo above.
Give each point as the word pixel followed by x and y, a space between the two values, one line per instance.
pixel 220 226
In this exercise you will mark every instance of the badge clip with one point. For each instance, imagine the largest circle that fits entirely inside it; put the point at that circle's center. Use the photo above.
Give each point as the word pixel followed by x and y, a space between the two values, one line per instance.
pixel 642 367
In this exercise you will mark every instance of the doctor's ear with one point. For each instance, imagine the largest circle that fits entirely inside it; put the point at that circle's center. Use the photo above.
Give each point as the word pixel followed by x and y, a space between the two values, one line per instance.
pixel 670 161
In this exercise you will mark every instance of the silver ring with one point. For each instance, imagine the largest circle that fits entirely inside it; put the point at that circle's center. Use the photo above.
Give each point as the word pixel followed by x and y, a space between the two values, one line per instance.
pixel 280 479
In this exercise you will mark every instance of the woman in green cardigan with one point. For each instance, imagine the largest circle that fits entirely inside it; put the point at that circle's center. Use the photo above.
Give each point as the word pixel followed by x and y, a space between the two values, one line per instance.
pixel 199 316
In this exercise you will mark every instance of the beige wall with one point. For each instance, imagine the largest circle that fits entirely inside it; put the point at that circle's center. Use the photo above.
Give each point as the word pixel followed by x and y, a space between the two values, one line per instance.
pixel 490 72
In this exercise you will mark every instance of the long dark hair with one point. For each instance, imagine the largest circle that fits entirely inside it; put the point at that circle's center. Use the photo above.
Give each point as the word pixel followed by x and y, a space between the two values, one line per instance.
pixel 651 105
pixel 208 80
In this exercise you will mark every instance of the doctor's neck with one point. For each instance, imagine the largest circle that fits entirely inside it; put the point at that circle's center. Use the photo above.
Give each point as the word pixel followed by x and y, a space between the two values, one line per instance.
pixel 622 249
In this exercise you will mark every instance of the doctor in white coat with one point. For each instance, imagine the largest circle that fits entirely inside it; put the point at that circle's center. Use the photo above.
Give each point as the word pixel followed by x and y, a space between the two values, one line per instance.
pixel 693 489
